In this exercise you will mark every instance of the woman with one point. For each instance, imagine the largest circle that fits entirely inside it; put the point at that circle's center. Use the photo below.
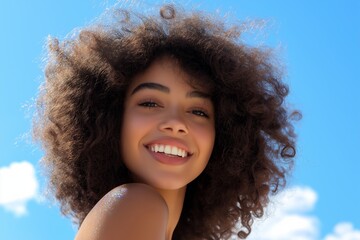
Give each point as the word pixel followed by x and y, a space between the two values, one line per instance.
pixel 163 128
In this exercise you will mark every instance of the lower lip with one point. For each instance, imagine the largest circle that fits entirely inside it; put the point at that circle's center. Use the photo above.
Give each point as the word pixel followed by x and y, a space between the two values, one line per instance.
pixel 167 159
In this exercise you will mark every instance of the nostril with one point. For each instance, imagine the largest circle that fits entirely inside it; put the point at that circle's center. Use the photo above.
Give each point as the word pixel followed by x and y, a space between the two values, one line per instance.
pixel 174 126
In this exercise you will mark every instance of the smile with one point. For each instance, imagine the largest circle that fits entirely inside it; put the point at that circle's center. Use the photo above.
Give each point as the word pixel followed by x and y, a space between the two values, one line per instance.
pixel 168 150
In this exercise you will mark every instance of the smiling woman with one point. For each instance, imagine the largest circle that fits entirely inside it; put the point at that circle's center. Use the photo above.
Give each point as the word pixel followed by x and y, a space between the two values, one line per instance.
pixel 163 127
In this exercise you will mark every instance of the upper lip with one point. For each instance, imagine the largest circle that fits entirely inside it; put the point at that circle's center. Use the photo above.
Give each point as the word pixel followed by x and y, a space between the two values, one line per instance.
pixel 170 141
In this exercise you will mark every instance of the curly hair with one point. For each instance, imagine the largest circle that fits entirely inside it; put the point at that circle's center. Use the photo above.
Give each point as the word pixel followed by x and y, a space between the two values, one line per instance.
pixel 80 111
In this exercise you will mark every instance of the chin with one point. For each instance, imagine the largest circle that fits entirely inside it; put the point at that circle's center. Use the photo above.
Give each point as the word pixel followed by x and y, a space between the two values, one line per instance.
pixel 169 186
pixel 168 182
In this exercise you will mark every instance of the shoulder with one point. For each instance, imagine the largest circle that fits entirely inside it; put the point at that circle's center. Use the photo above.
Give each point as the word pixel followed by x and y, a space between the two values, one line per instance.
pixel 131 211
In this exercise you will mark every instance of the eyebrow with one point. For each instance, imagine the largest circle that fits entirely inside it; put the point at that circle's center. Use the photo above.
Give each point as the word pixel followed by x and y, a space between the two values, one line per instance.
pixel 150 85
pixel 162 88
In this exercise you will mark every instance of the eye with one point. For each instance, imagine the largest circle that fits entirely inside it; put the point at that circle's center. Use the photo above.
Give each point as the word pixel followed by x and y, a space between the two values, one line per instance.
pixel 149 104
pixel 200 113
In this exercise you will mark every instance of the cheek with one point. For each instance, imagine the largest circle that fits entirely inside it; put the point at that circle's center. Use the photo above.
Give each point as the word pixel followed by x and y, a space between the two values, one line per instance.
pixel 134 128
pixel 133 125
pixel 205 136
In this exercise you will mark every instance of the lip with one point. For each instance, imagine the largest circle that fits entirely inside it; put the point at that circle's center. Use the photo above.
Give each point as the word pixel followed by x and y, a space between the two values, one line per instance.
pixel 168 159
pixel 171 141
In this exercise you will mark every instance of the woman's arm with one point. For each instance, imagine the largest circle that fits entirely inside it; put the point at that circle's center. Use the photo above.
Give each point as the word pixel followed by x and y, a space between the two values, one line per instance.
pixel 128 212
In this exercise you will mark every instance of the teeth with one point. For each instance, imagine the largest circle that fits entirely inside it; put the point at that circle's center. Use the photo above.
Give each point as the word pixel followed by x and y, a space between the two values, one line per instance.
pixel 179 152
pixel 161 148
pixel 167 149
pixel 174 150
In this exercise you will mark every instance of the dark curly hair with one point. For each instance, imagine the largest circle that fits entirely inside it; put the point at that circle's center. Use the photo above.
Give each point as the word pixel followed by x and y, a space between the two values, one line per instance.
pixel 80 111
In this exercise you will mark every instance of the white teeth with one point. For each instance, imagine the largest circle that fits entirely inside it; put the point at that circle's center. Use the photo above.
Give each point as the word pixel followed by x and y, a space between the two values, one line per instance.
pixel 167 149
pixel 174 150
pixel 161 148
pixel 179 152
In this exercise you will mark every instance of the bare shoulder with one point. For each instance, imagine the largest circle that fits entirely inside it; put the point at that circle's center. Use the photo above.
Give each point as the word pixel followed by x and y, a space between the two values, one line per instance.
pixel 131 211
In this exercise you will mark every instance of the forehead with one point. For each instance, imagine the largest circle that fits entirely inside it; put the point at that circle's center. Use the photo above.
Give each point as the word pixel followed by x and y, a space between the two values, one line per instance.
pixel 167 71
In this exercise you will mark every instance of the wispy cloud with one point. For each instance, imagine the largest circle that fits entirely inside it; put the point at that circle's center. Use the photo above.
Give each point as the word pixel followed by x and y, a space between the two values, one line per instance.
pixel 289 217
pixel 18 185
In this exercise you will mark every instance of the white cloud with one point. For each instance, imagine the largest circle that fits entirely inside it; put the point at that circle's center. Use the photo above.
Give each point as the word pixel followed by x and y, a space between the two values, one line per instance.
pixel 18 185
pixel 287 217
pixel 344 231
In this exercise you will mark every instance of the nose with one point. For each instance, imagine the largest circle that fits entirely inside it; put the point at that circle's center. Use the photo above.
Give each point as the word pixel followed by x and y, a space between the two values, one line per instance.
pixel 173 124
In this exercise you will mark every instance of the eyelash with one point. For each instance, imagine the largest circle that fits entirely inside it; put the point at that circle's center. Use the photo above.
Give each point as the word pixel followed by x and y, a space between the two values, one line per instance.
pixel 151 104
pixel 200 113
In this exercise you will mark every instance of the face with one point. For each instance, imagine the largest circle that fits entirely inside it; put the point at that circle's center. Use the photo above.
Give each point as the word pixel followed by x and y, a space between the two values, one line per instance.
pixel 168 128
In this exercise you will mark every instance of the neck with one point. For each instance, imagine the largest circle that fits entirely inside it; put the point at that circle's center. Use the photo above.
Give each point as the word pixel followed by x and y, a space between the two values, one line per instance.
pixel 174 200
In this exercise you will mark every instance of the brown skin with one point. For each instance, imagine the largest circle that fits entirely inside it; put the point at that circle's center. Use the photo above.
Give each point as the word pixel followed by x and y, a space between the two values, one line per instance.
pixel 131 212
pixel 174 201
pixel 81 108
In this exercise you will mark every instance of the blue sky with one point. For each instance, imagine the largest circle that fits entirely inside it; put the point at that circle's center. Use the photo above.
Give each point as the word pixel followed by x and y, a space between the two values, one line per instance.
pixel 318 41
